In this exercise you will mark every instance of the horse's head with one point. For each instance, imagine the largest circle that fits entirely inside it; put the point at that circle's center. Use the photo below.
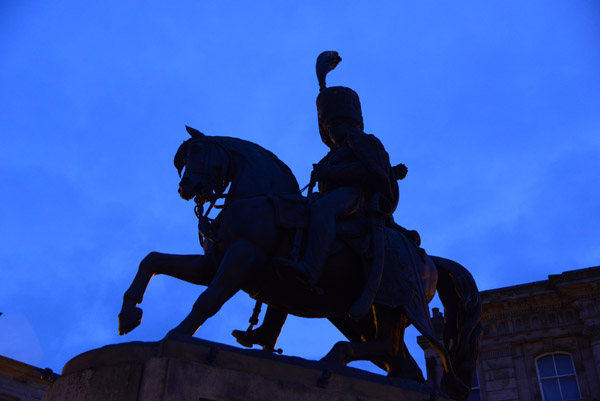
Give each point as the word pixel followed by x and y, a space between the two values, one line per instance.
pixel 206 167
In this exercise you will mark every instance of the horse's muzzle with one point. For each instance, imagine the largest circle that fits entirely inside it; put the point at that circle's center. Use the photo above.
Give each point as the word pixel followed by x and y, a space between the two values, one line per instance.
pixel 186 190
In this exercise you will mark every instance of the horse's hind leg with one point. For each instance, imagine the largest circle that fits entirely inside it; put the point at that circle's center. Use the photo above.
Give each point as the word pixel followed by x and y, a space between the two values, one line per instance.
pixel 403 365
pixel 195 269
pixel 387 349
pixel 385 344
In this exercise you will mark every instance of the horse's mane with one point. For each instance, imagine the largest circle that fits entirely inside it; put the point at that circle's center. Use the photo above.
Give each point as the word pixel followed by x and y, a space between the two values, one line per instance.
pixel 259 169
pixel 262 162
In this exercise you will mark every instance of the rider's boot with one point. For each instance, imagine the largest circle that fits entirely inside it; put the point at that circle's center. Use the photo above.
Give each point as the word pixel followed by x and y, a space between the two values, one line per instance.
pixel 267 334
pixel 321 235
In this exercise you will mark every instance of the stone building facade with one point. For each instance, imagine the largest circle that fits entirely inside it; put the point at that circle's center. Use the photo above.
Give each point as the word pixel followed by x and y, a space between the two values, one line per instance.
pixel 541 340
pixel 22 382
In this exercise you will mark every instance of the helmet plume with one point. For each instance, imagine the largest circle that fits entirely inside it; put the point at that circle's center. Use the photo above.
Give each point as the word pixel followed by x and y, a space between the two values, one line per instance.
pixel 325 63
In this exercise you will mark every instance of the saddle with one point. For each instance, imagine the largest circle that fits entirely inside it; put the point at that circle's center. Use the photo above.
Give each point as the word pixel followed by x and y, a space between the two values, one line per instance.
pixel 292 212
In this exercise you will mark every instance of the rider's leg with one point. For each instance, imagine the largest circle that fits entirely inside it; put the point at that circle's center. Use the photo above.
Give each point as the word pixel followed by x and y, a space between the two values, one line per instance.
pixel 340 202
pixel 266 334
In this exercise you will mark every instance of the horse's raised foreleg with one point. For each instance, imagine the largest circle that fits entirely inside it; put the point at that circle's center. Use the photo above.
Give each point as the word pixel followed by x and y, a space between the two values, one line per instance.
pixel 240 260
pixel 195 269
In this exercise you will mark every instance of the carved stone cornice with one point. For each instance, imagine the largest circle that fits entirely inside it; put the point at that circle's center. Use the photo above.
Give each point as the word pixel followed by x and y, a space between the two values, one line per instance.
pixel 523 310
pixel 593 331
pixel 497 353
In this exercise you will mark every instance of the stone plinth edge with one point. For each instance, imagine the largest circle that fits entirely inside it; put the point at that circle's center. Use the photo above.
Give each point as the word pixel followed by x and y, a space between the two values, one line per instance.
pixel 198 370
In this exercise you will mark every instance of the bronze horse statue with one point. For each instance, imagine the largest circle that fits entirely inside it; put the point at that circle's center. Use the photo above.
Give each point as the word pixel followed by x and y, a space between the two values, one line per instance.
pixel 243 242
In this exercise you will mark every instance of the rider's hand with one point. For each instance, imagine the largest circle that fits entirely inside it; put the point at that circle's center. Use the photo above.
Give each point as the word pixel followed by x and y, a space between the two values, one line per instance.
pixel 314 175
pixel 320 172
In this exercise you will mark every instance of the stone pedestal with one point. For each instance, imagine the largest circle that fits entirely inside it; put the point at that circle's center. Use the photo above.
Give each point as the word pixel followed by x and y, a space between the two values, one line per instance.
pixel 198 370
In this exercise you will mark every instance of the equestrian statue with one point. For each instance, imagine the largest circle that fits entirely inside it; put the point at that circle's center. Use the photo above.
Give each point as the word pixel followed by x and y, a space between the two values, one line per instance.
pixel 336 253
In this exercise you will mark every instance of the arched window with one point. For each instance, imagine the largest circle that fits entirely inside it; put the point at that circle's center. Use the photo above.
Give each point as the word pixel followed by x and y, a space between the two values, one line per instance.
pixel 558 380
pixel 518 325
pixel 570 316
pixel 590 308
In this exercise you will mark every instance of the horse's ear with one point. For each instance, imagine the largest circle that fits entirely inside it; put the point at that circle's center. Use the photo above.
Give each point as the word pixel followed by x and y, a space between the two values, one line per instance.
pixel 194 132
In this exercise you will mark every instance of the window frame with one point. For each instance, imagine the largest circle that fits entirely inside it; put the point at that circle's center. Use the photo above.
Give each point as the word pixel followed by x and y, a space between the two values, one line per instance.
pixel 557 376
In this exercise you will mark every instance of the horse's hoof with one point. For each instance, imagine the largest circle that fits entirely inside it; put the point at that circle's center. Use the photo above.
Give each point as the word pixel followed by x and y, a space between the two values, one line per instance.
pixel 337 355
pixel 176 334
pixel 333 362
pixel 334 359
pixel 129 319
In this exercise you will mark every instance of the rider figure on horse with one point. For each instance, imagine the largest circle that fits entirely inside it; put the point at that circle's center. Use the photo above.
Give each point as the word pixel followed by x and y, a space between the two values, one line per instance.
pixel 263 217
pixel 354 177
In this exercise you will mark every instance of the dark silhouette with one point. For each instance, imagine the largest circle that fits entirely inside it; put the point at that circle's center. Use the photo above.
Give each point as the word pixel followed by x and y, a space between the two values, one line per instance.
pixel 337 254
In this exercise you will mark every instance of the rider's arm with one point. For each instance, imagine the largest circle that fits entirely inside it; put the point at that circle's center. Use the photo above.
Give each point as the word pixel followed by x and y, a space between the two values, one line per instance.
pixel 354 174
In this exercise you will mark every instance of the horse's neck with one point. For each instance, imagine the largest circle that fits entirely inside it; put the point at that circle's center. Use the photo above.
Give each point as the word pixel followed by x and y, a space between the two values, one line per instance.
pixel 248 183
pixel 253 179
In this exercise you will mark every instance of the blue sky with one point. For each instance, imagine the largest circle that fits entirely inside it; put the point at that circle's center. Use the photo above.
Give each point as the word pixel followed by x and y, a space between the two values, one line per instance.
pixel 493 106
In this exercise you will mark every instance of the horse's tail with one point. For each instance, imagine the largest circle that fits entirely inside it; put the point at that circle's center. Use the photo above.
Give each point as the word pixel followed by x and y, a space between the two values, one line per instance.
pixel 462 328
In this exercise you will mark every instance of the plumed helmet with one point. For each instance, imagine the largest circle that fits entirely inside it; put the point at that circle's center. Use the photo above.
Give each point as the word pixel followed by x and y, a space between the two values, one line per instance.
pixel 336 101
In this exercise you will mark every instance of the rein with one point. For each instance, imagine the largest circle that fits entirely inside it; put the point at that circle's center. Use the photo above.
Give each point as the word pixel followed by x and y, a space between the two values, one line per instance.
pixel 213 199
pixel 205 223
pixel 199 207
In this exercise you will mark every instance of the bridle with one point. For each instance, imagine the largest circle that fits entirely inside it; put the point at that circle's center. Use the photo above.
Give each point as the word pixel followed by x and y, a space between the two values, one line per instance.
pixel 213 194
pixel 220 183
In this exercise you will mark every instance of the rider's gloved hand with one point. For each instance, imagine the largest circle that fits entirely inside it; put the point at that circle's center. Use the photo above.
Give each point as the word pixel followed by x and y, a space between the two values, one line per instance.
pixel 315 175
